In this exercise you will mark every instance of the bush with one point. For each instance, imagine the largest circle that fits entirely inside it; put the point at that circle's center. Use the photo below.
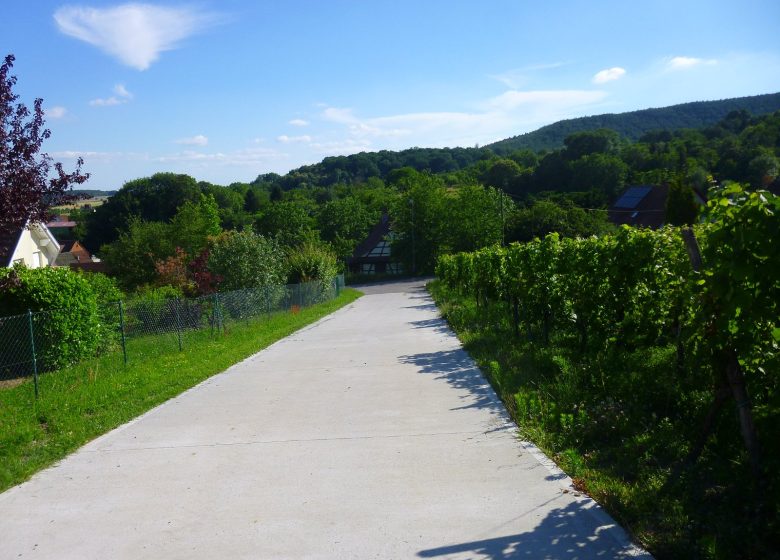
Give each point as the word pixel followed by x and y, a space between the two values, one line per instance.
pixel 70 328
pixel 245 260
pixel 310 262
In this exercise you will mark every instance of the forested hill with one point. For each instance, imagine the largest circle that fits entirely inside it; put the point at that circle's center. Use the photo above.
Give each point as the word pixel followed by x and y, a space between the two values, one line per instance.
pixel 358 168
pixel 634 124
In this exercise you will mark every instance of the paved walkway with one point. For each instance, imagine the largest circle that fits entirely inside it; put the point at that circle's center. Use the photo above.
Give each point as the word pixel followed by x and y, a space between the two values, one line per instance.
pixel 367 435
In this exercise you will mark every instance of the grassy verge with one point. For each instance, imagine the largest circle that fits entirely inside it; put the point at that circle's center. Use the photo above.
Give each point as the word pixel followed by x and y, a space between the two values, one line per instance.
pixel 86 400
pixel 619 423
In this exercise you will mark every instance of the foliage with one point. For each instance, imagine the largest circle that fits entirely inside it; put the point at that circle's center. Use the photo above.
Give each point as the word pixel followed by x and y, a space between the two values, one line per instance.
pixel 246 260
pixel 620 356
pixel 71 329
pixel 546 216
pixel 151 199
pixel 290 222
pixel 634 124
pixel 27 187
pixel 133 256
pixel 344 223
pixel 311 262
pixel 681 208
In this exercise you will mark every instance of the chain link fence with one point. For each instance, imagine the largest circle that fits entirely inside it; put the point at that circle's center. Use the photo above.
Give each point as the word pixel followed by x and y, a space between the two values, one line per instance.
pixel 144 328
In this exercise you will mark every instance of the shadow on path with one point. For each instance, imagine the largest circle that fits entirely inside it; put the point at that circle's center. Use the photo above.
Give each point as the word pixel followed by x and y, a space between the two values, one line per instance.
pixel 563 534
pixel 456 368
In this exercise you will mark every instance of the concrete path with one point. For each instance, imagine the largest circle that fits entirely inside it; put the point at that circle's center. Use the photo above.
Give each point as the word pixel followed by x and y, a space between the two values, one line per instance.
pixel 367 435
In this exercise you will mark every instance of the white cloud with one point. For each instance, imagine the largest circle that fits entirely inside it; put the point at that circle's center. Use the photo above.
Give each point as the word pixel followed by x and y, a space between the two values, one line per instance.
pixel 121 91
pixel 608 75
pixel 552 99
pixel 246 157
pixel 284 139
pixel 98 156
pixel 510 113
pixel 197 140
pixel 686 62
pixel 133 33
pixel 107 102
pixel 299 122
pixel 56 112
pixel 122 96
pixel 518 77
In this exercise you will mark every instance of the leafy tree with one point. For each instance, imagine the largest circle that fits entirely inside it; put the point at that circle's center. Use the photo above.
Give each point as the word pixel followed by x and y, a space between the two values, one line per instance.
pixel 27 189
pixel 133 257
pixel 502 174
pixel 246 260
pixel 681 206
pixel 475 217
pixel 194 223
pixel 155 199
pixel 545 216
pixel 418 218
pixel 344 223
pixel 290 221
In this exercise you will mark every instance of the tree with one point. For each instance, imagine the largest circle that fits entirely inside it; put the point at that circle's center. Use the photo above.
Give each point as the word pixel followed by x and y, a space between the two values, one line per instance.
pixel 154 199
pixel 344 223
pixel 681 207
pixel 246 260
pixel 26 190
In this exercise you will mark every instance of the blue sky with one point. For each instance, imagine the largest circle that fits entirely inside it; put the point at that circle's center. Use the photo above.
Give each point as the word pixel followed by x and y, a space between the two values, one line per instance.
pixel 226 90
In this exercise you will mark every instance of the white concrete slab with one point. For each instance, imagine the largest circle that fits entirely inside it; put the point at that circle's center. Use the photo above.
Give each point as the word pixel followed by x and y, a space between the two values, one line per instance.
pixel 367 435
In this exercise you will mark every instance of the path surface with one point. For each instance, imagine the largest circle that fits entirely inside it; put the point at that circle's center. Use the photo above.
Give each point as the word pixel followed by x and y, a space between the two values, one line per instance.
pixel 367 435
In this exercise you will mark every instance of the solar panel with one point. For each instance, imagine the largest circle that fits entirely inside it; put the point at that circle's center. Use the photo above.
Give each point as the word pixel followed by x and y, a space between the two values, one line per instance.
pixel 632 197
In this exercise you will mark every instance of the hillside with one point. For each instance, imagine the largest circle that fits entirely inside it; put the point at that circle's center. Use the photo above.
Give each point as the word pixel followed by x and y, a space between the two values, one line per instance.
pixel 634 124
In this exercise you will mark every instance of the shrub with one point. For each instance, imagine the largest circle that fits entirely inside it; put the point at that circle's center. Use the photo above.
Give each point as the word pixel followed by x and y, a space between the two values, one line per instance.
pixel 71 327
pixel 245 260
pixel 311 262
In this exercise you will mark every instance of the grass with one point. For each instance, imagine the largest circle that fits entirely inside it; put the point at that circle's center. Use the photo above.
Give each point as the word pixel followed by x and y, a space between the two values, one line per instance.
pixel 619 423
pixel 84 401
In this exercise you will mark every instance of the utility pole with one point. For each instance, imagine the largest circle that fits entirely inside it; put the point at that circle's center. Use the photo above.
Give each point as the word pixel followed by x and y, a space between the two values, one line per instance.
pixel 414 261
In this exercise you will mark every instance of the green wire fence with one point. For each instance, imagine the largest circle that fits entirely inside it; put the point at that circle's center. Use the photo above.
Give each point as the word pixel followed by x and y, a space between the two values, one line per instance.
pixel 28 347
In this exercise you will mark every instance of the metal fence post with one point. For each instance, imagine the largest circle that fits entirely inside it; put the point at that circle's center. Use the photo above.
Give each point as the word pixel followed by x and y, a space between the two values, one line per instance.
pixel 218 311
pixel 32 350
pixel 178 324
pixel 122 330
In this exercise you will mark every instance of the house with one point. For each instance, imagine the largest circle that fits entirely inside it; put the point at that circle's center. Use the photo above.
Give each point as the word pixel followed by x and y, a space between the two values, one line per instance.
pixel 373 255
pixel 33 245
pixel 62 227
pixel 72 252
pixel 645 206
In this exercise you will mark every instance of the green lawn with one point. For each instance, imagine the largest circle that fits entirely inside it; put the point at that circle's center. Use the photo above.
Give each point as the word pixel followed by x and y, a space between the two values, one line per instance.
pixel 86 400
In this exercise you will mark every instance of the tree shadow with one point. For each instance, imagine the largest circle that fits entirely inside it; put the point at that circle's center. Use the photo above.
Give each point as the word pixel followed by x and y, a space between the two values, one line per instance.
pixel 570 532
pixel 458 370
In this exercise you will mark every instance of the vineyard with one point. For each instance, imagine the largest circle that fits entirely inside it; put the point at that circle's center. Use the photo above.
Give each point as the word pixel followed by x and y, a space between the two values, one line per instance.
pixel 648 363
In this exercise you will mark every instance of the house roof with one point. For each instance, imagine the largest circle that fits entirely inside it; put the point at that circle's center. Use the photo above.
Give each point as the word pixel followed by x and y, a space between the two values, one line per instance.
pixel 61 224
pixel 641 205
pixel 377 233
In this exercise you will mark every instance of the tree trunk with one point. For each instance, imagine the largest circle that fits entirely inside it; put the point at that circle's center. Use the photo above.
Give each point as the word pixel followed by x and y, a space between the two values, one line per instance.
pixel 736 380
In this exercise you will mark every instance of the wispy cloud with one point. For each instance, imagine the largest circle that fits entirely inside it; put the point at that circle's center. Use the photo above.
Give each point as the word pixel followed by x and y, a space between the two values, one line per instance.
pixel 299 122
pixel 686 62
pixel 246 157
pixel 135 34
pixel 197 140
pixel 510 113
pixel 519 77
pixel 56 112
pixel 609 75
pixel 284 139
pixel 122 96
pixel 564 99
